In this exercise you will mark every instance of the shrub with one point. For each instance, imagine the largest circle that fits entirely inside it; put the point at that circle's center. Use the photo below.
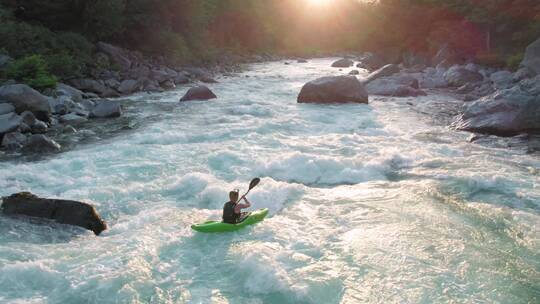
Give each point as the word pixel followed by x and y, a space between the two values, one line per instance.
pixel 33 71
pixel 513 61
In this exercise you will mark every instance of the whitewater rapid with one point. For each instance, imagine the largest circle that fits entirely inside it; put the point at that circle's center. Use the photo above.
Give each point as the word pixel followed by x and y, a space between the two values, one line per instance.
pixel 377 203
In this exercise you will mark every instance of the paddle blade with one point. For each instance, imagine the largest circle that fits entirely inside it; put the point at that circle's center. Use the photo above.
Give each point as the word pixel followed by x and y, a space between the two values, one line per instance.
pixel 254 182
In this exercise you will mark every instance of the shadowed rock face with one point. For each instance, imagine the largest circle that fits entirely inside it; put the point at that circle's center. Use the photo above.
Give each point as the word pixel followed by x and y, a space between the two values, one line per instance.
pixel 531 59
pixel 333 89
pixel 62 211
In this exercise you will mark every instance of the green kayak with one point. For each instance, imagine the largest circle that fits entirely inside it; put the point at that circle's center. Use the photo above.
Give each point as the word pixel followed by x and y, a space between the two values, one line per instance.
pixel 213 226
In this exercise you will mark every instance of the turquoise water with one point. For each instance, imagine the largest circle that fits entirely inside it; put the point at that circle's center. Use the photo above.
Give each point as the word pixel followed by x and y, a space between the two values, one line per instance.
pixel 368 204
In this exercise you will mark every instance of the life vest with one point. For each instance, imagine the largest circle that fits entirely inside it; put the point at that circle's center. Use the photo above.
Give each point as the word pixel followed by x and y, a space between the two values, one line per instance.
pixel 229 216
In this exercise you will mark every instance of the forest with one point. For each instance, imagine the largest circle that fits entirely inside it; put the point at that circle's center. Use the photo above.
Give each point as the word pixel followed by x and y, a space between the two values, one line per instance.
pixel 57 37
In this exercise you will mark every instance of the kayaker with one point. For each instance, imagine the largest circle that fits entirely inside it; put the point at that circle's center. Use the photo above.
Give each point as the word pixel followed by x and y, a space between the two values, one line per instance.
pixel 232 210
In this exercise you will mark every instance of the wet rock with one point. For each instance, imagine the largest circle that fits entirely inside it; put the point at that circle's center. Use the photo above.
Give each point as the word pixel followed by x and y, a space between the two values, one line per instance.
pixel 72 118
pixel 181 79
pixel 62 211
pixel 24 98
pixel 198 93
pixel 68 91
pixel 40 143
pixel 61 105
pixel 531 59
pixel 333 89
pixel 39 127
pixel 106 109
pixel 69 129
pixel 502 79
pixel 28 118
pixel 522 73
pixel 343 63
pixel 458 76
pixel 396 86
pixel 386 70
pixel 13 141
pixel 94 86
pixel 112 83
pixel 168 85
pixel 207 79
pixel 354 72
pixel 9 122
pixel 504 112
pixel 6 108
pixel 129 86
pixel 370 61
pixel 302 60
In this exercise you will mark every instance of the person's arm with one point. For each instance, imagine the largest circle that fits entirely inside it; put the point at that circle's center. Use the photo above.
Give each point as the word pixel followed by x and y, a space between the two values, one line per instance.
pixel 238 208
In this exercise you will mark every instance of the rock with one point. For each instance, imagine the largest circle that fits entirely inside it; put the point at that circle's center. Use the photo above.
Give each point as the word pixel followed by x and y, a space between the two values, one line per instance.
pixel 502 79
pixel 414 60
pixel 72 118
pixel 68 129
pixel 87 104
pixel 386 70
pixel 181 79
pixel 94 86
pixel 106 109
pixel 531 59
pixel 168 85
pixel 6 108
pixel 207 79
pixel 140 72
pixel 198 73
pixel 24 98
pixel 39 127
pixel 396 86
pixel 522 73
pixel 161 75
pixel 129 86
pixel 354 72
pixel 9 122
pixel 116 54
pixel 458 76
pixel 152 86
pixel 432 78
pixel 302 60
pixel 333 89
pixel 504 112
pixel 198 93
pixel 370 61
pixel 62 211
pixel 343 63
pixel 24 128
pixel 40 143
pixel 69 91
pixel 28 118
pixel 466 88
pixel 13 141
pixel 112 83
pixel 89 95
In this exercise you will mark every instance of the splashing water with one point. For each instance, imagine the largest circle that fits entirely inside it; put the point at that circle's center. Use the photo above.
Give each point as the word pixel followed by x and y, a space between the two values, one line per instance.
pixel 368 204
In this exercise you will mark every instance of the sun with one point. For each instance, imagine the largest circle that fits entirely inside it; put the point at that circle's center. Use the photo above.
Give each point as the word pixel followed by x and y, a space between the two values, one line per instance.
pixel 319 2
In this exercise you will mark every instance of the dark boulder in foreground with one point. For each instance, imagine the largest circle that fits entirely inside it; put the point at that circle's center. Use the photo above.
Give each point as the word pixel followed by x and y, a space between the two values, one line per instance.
pixel 62 211
pixel 333 89
pixel 198 93
pixel 343 63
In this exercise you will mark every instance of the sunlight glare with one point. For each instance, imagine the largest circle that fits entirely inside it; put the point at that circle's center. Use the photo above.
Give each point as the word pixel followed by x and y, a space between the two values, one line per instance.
pixel 319 2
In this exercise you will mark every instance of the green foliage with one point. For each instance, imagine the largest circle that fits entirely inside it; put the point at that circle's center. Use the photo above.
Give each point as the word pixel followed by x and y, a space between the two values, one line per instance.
pixel 33 71
pixel 513 61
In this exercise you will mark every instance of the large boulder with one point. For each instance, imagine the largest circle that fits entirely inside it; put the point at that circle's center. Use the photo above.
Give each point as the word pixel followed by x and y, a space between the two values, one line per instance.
pixel 116 54
pixel 370 61
pixel 24 98
pixel 62 211
pixel 9 122
pixel 387 70
pixel 333 89
pixel 40 143
pixel 106 109
pixel 505 112
pixel 502 79
pixel 129 86
pixel 342 63
pixel 6 108
pixel 457 76
pixel 531 60
pixel 397 86
pixel 13 140
pixel 198 93
pixel 63 89
pixel 94 86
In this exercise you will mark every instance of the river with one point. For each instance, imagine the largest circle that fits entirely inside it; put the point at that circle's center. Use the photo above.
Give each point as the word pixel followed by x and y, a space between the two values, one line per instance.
pixel 378 203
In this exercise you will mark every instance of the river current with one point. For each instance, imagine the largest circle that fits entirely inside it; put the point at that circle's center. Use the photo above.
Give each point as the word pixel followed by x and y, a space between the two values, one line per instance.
pixel 377 203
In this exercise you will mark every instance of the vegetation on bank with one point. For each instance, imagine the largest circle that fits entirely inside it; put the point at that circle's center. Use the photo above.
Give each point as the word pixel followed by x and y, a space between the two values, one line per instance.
pixel 55 39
